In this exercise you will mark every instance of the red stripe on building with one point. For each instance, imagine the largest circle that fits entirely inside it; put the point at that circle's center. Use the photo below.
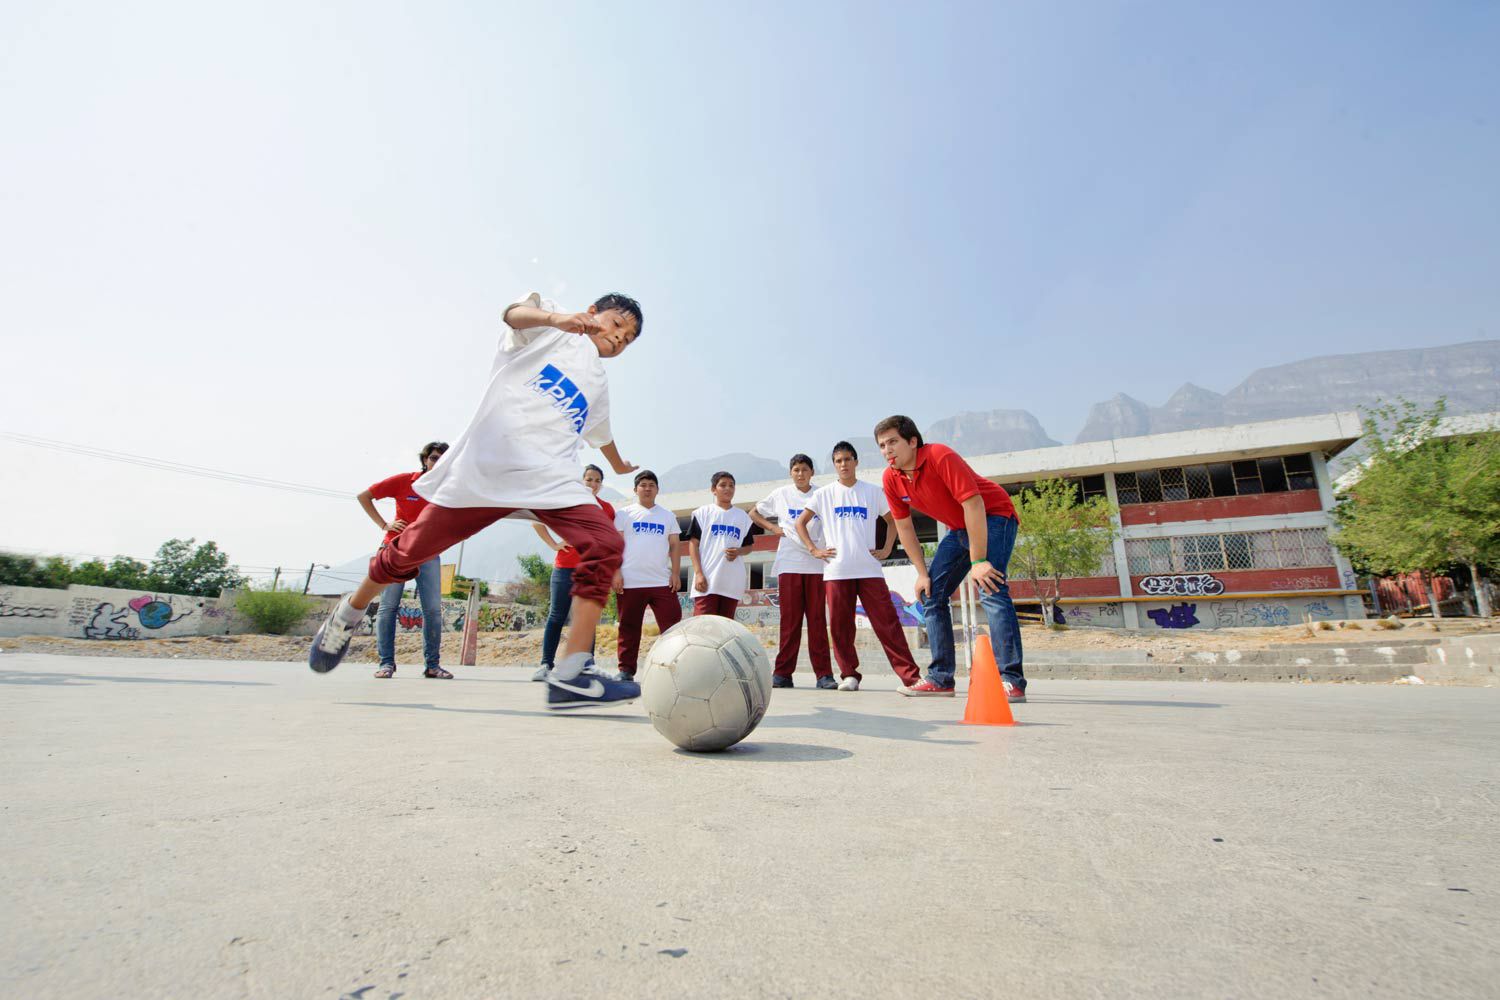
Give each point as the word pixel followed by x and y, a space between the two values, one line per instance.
pixel 1217 508
pixel 1093 586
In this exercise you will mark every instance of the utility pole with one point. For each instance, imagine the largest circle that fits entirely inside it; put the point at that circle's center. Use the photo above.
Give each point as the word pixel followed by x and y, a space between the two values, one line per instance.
pixel 308 583
pixel 276 578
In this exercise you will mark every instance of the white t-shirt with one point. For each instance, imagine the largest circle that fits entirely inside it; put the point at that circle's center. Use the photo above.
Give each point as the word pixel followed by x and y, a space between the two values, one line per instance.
pixel 648 545
pixel 785 504
pixel 718 529
pixel 547 395
pixel 849 514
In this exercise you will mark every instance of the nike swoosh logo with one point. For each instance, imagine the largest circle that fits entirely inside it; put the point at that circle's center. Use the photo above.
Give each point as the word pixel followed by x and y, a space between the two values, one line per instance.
pixel 594 688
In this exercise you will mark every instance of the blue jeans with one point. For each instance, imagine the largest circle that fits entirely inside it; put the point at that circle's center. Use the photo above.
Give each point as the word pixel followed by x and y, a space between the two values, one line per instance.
pixel 949 567
pixel 557 612
pixel 429 585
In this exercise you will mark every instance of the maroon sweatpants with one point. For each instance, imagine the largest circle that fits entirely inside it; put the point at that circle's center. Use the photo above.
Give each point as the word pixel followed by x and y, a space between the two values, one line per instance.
pixel 800 595
pixel 876 597
pixel 714 604
pixel 586 527
pixel 632 603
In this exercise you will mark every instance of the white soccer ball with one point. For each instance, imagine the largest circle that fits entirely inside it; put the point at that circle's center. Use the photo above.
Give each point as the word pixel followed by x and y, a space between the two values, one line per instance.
pixel 706 683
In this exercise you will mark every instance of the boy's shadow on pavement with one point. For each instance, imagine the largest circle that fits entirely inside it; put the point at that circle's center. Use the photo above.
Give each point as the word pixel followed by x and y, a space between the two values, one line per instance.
pixel 837 720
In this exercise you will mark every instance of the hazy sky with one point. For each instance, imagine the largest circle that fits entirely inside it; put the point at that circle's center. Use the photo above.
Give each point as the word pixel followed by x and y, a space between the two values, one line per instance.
pixel 275 239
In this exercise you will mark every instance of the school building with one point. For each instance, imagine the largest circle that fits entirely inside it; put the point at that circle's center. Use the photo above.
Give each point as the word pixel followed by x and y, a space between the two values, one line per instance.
pixel 1217 528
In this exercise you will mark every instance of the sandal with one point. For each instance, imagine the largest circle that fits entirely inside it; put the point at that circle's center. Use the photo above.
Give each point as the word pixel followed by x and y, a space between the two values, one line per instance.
pixel 386 672
pixel 437 672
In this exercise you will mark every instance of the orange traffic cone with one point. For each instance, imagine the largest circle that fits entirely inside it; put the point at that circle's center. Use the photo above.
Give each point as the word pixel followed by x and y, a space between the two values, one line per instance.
pixel 987 704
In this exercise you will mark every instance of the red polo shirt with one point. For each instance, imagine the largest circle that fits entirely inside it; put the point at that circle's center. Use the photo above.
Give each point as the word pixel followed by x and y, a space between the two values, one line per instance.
pixel 939 485
pixel 398 487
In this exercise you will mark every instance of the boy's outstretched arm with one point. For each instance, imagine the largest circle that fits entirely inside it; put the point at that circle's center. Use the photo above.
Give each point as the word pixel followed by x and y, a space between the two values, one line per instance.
pixel 519 317
pixel 617 463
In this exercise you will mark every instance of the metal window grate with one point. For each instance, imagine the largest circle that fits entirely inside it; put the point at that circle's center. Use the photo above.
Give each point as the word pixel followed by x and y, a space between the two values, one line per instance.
pixel 1291 548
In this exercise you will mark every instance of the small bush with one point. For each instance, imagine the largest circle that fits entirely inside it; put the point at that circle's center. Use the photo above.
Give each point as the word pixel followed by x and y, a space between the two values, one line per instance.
pixel 274 611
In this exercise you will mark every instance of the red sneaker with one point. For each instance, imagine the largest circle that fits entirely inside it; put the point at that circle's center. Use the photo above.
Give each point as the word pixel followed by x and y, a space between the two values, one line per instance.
pixel 1014 694
pixel 926 689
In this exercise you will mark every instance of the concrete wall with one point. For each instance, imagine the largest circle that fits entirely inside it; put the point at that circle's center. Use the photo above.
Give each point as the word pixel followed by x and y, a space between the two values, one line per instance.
pixel 107 613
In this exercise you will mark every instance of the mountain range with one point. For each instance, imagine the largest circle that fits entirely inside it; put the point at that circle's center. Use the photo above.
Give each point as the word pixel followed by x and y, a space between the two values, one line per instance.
pixel 1467 375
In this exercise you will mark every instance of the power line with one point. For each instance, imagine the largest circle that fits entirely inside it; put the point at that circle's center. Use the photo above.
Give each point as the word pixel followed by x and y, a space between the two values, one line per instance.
pixel 165 465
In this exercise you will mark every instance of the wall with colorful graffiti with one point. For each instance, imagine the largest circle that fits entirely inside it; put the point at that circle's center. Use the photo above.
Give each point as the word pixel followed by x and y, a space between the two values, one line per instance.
pixel 105 613
pixel 1093 615
pixel 1247 613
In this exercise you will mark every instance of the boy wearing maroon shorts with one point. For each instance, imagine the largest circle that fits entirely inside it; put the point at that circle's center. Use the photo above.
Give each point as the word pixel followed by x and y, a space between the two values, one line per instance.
pixel 799 578
pixel 718 535
pixel 547 396
pixel 849 509
pixel 648 576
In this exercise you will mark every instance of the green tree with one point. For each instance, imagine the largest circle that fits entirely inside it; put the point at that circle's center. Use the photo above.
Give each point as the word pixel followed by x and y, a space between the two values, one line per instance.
pixel 1060 537
pixel 204 571
pixel 122 572
pixel 1422 503
pixel 17 570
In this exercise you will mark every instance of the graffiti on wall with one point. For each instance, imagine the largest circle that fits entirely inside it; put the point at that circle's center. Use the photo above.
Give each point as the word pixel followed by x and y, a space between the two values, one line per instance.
pixel 11 609
pixel 107 620
pixel 1092 614
pixel 1177 616
pixel 1251 614
pixel 1184 585
pixel 908 613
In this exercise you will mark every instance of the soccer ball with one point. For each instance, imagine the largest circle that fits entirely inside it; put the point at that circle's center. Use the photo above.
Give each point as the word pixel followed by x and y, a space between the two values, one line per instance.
pixel 707 683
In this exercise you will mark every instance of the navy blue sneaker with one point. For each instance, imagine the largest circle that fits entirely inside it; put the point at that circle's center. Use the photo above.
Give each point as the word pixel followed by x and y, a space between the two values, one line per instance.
pixel 331 642
pixel 589 688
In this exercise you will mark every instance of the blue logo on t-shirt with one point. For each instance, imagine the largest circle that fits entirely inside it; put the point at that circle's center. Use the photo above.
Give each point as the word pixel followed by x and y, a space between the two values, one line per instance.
pixel 556 386
pixel 649 528
pixel 725 529
pixel 863 513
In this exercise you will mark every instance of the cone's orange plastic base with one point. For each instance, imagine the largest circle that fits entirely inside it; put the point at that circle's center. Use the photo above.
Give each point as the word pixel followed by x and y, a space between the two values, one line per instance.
pixel 987 704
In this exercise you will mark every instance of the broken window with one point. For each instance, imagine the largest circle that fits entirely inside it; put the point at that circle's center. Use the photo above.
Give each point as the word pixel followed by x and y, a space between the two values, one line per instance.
pixel 1299 472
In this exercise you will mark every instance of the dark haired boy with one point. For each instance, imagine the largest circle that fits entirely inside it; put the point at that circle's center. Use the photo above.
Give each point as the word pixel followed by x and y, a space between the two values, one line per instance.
pixel 547 395
pixel 799 577
pixel 718 535
pixel 849 509
pixel 429 575
pixel 982 525
pixel 648 575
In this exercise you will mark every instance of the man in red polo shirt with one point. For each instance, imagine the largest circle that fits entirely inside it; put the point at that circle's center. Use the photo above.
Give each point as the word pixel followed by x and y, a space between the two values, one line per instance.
pixel 982 527
pixel 429 577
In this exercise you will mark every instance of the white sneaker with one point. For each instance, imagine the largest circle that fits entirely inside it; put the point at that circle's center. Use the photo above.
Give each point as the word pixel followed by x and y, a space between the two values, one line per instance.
pixel 541 673
pixel 850 683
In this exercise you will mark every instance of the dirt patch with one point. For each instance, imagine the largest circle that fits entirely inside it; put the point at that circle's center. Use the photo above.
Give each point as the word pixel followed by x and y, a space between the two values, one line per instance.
pixel 524 648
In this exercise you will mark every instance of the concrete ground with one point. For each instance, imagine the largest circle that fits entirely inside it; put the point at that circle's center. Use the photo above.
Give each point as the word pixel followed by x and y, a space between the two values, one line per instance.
pixel 211 829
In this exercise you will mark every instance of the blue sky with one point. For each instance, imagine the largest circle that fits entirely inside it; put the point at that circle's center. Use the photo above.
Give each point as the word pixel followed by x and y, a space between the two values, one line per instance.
pixel 276 238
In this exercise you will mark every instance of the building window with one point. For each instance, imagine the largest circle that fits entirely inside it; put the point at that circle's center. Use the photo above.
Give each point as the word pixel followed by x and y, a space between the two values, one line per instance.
pixel 1093 486
pixel 1299 472
pixel 1276 474
pixel 1290 549
pixel 1203 553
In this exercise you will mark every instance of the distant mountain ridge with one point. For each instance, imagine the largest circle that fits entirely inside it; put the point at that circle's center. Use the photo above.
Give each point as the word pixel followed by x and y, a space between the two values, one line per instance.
pixel 1467 374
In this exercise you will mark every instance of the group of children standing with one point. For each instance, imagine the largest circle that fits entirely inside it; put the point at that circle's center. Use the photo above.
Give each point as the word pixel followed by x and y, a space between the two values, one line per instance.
pixel 548 395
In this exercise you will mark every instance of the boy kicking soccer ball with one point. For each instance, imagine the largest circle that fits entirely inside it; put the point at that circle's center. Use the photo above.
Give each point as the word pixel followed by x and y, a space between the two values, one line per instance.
pixel 547 395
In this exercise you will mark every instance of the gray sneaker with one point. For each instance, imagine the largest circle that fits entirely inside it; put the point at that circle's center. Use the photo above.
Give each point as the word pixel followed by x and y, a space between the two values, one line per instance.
pixel 827 683
pixel 623 676
pixel 541 673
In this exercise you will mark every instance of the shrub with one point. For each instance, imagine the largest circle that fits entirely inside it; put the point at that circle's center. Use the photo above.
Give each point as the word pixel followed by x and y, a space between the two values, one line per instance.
pixel 274 611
